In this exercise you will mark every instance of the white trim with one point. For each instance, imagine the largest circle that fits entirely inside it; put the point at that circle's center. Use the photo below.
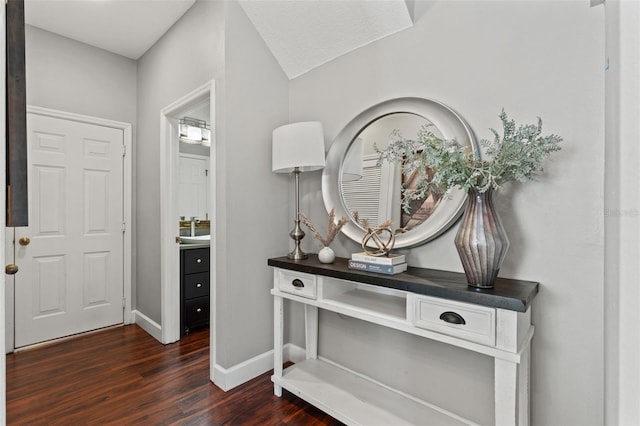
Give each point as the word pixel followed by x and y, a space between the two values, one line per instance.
pixel 294 353
pixel 127 187
pixel 213 288
pixel 9 293
pixel 170 251
pixel 229 378
pixel 147 324
pixel 3 381
pixel 622 203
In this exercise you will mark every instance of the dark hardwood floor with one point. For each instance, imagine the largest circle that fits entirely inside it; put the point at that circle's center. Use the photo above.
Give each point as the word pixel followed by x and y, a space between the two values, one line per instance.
pixel 124 376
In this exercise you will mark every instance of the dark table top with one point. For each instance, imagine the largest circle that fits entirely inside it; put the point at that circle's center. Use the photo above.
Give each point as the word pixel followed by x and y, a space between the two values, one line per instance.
pixel 514 295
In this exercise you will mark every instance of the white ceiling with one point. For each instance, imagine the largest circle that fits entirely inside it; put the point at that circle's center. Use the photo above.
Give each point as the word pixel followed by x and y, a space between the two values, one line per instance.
pixel 302 34
pixel 126 27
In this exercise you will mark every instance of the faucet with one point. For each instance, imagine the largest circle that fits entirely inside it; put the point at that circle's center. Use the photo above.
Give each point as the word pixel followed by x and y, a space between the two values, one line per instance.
pixel 194 220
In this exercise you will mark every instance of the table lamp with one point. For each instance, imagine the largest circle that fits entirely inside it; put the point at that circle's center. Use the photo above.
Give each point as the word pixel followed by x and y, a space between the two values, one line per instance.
pixel 298 147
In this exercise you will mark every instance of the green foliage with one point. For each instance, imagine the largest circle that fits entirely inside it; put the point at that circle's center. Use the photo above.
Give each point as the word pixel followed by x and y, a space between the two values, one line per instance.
pixel 517 155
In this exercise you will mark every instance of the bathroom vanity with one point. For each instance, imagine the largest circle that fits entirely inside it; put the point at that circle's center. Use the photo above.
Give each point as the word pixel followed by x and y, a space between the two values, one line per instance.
pixel 432 304
pixel 194 286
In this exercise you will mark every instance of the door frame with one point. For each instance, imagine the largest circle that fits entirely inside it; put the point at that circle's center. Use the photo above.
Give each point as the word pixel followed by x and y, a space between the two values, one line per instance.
pixel 170 249
pixel 3 209
pixel 127 289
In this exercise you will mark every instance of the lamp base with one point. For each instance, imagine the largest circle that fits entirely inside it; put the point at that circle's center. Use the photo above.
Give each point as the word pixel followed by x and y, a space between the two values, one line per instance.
pixel 297 234
pixel 297 254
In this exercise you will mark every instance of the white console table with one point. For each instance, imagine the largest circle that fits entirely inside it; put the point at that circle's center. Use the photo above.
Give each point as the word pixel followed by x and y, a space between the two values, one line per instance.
pixel 436 305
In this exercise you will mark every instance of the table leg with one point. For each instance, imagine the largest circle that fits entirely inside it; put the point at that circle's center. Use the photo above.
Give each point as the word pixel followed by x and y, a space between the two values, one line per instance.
pixel 512 390
pixel 311 331
pixel 278 321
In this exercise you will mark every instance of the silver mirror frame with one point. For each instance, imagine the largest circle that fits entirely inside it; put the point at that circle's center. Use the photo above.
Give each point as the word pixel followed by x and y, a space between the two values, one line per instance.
pixel 451 126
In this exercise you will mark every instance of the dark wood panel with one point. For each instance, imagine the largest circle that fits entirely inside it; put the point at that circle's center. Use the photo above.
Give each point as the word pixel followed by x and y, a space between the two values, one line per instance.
pixel 123 376
pixel 16 116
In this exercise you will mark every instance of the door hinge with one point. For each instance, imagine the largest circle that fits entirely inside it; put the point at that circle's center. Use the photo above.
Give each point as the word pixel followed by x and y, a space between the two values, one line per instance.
pixel 124 302
pixel 124 227
pixel 206 172
pixel 124 150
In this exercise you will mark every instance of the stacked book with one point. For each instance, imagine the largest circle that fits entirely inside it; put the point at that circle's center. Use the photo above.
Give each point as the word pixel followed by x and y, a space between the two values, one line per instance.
pixel 390 265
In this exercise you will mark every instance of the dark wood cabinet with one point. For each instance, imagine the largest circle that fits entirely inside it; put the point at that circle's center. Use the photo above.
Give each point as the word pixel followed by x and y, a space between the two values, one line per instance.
pixel 194 288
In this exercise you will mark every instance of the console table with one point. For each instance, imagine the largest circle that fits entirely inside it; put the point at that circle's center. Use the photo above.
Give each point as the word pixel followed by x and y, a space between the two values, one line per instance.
pixel 433 304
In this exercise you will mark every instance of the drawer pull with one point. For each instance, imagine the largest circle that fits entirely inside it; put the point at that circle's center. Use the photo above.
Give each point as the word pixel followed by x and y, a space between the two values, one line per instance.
pixel 198 260
pixel 297 283
pixel 198 285
pixel 452 318
pixel 199 310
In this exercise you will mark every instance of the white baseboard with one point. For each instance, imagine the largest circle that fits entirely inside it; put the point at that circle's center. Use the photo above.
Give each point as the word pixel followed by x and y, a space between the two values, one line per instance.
pixel 294 353
pixel 229 378
pixel 148 325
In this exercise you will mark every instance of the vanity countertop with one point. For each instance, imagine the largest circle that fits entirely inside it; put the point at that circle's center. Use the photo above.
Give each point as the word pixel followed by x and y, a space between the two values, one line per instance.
pixel 194 246
pixel 514 295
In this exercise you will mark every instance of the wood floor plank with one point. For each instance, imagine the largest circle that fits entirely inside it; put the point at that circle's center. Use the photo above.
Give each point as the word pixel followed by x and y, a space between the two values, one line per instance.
pixel 123 376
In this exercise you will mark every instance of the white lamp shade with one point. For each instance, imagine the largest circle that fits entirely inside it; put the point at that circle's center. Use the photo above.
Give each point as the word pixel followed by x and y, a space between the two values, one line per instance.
pixel 298 145
pixel 352 165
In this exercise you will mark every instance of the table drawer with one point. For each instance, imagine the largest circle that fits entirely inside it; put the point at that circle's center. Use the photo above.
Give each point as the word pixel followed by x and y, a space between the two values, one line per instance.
pixel 196 285
pixel 470 322
pixel 297 283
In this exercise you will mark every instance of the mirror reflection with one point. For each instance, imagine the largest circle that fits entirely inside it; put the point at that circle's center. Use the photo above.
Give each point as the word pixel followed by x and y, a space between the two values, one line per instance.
pixel 375 190
pixel 353 181
pixel 194 164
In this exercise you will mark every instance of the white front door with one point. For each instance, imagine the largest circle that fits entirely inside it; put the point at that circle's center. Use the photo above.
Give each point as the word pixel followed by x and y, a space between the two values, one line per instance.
pixel 71 271
pixel 193 186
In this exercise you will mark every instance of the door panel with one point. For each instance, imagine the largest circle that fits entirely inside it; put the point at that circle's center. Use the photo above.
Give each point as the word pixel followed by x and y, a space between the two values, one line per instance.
pixel 71 273
pixel 193 186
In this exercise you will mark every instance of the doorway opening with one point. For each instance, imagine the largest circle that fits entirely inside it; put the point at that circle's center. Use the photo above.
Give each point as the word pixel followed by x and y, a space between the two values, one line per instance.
pixel 199 100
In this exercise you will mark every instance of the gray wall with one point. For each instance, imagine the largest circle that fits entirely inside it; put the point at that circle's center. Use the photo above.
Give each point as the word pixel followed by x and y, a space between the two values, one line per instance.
pixel 186 57
pixel 70 76
pixel 67 75
pixel 251 218
pixel 534 59
pixel 252 221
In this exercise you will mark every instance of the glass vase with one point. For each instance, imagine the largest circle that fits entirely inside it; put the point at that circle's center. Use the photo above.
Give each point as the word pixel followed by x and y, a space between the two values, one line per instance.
pixel 481 240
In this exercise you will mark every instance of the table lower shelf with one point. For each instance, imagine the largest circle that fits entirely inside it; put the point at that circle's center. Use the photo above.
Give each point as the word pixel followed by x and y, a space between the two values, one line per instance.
pixel 354 400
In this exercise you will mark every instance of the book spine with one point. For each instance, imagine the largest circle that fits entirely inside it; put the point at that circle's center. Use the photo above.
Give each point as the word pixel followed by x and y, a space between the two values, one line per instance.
pixel 379 260
pixel 372 267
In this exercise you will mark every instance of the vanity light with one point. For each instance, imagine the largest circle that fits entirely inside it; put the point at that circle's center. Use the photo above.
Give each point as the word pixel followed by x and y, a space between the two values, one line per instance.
pixel 298 147
pixel 194 131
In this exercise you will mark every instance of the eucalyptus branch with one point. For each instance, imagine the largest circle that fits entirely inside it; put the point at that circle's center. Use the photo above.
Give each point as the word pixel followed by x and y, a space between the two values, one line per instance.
pixel 444 163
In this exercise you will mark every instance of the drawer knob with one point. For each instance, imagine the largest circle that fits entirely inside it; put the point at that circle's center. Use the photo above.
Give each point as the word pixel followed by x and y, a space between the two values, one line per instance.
pixel 297 283
pixel 452 318
pixel 198 260
pixel 199 310
pixel 198 285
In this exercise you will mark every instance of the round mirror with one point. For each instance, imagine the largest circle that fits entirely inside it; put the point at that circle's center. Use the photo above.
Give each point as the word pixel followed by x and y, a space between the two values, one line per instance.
pixel 353 181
